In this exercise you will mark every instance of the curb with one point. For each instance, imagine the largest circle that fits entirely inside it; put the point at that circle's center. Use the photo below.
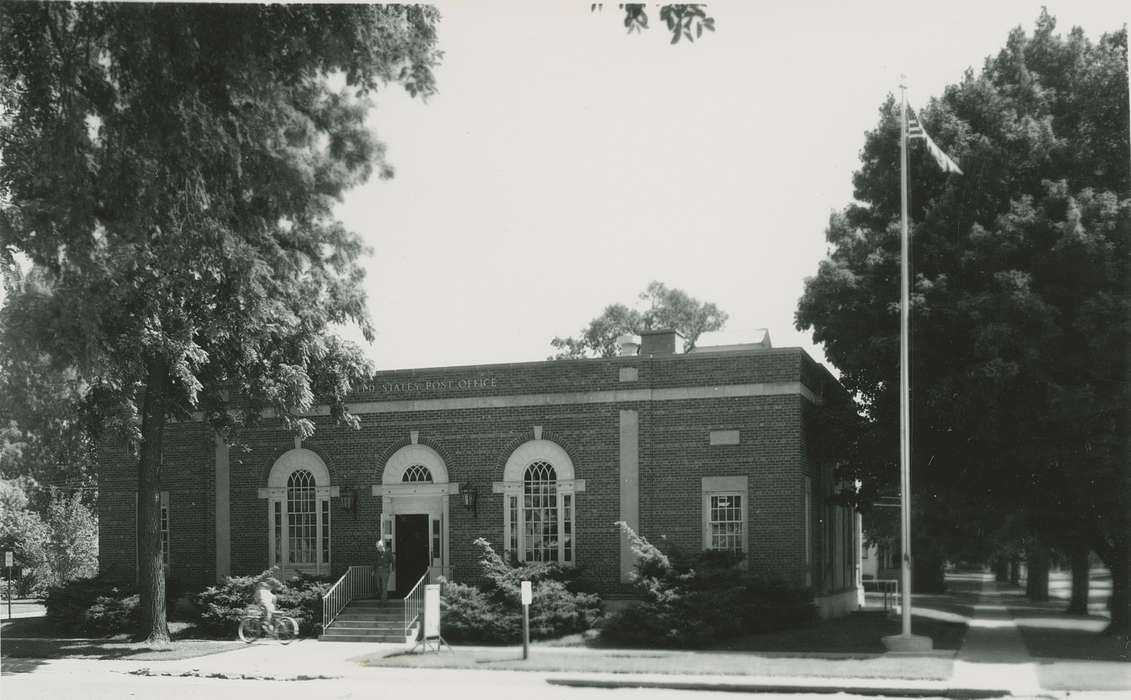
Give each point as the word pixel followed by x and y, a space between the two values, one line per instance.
pixel 727 687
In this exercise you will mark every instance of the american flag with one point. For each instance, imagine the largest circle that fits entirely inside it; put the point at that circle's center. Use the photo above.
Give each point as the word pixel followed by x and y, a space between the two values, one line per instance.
pixel 915 130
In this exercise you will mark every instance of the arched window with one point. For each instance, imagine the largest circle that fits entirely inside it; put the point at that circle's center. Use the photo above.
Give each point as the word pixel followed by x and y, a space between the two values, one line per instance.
pixel 417 473
pixel 538 507
pixel 302 519
pixel 298 496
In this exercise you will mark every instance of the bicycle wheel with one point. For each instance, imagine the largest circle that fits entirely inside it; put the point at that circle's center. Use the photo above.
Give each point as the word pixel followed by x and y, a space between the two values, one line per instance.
pixel 286 629
pixel 250 629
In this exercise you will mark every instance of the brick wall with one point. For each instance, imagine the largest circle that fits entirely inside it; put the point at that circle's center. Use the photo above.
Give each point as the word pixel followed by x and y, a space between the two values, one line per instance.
pixel 475 443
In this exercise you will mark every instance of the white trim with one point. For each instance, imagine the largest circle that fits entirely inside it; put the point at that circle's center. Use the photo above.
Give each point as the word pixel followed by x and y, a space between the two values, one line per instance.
pixel 534 451
pixel 416 498
pixel 276 493
pixel 410 455
pixel 726 486
pixel 563 398
pixel 565 486
pixel 299 458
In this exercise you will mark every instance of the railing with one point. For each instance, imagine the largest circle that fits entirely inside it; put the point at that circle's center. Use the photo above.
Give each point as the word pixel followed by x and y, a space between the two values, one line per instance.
pixel 414 601
pixel 356 582
pixel 889 587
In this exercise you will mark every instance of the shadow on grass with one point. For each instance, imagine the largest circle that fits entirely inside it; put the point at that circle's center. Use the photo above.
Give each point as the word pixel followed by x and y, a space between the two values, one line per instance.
pixel 857 633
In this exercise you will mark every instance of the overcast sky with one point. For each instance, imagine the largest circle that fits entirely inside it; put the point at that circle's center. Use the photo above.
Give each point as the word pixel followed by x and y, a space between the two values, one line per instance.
pixel 564 164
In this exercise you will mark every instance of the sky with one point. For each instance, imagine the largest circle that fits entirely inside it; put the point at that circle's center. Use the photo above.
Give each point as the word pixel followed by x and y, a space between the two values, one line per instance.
pixel 564 164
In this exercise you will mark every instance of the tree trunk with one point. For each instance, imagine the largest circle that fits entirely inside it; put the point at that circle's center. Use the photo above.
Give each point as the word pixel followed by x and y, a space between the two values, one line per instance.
pixel 1001 570
pixel 1015 571
pixel 1078 605
pixel 1120 602
pixel 153 627
pixel 1037 583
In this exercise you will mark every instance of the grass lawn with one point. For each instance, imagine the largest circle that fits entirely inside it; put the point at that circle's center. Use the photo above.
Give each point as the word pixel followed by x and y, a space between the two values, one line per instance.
pixel 858 633
pixel 847 647
pixel 39 638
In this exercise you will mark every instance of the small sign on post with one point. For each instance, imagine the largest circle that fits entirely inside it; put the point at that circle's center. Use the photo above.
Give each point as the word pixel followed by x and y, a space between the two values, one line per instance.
pixel 527 598
pixel 9 560
pixel 431 623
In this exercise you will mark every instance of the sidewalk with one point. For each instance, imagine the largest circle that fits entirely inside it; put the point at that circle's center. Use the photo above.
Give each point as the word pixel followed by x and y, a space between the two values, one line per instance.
pixel 993 654
pixel 993 661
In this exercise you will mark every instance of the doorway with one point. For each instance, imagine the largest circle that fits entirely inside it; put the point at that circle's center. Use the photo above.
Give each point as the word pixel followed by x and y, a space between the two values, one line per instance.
pixel 411 548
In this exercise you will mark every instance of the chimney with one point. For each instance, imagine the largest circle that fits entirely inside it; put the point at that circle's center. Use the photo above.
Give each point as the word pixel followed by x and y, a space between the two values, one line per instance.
pixel 660 342
pixel 628 345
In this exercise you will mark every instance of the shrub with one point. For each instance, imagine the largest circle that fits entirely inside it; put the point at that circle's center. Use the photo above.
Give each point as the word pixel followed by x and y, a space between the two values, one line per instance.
pixel 492 613
pixel 696 602
pixel 300 597
pixel 92 606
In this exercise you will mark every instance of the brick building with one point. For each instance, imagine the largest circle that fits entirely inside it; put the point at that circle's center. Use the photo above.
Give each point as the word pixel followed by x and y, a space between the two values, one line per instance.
pixel 714 448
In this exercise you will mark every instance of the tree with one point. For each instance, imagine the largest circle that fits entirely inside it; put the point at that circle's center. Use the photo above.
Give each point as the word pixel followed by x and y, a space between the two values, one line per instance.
pixel 683 20
pixel 1021 297
pixel 170 170
pixel 663 308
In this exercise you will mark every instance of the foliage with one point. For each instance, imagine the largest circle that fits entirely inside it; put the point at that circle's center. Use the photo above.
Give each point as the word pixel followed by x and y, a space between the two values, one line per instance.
pixel 221 607
pixel 664 307
pixel 170 171
pixel 1021 300
pixel 701 600
pixel 49 550
pixel 492 612
pixel 683 20
pixel 96 606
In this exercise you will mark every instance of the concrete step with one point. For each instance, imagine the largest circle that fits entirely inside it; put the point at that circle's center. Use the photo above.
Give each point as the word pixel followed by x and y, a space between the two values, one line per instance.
pixel 397 626
pixel 348 614
pixel 364 638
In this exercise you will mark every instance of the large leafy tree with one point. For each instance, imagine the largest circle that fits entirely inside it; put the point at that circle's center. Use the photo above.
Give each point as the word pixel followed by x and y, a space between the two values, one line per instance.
pixel 170 171
pixel 660 307
pixel 1021 298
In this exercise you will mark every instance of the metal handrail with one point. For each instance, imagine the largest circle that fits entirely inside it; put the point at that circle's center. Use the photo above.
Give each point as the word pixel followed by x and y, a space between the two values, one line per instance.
pixel 414 601
pixel 356 582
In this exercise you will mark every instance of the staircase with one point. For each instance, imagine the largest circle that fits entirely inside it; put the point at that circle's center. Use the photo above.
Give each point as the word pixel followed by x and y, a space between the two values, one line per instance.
pixel 369 620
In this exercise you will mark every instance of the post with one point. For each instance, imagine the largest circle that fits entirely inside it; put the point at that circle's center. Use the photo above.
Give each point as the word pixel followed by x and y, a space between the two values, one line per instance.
pixel 8 562
pixel 904 641
pixel 904 375
pixel 527 598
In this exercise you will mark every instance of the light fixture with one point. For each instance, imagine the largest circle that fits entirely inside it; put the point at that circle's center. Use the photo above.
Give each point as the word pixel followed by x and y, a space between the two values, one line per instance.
pixel 470 496
pixel 347 500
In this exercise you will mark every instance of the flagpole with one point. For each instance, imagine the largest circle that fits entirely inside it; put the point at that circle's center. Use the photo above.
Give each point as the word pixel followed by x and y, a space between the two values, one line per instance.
pixel 904 375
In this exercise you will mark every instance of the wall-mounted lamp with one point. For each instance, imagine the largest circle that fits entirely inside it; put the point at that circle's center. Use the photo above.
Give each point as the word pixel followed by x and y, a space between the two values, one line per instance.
pixel 347 500
pixel 470 496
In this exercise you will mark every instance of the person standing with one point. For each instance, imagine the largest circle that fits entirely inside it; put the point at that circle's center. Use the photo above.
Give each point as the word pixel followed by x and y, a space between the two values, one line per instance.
pixel 382 566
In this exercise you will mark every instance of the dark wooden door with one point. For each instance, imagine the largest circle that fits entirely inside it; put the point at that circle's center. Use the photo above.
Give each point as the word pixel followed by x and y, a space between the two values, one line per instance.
pixel 411 548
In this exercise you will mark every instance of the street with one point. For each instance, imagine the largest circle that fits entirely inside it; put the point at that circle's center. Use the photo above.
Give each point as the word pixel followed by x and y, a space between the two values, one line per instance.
pixel 96 680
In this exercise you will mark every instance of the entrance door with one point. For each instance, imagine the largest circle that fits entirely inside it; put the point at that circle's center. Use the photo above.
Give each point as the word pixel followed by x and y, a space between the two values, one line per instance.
pixel 411 548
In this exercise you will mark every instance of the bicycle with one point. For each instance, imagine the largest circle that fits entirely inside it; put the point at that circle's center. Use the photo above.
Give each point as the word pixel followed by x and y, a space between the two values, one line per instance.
pixel 252 628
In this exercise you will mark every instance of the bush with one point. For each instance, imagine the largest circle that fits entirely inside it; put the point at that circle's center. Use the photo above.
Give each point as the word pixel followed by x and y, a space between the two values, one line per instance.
pixel 300 597
pixel 95 606
pixel 492 613
pixel 706 599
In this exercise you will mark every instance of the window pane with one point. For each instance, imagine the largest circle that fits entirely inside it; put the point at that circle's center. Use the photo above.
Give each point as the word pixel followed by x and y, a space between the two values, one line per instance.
pixel 726 522
pixel 540 512
pixel 326 531
pixel 301 523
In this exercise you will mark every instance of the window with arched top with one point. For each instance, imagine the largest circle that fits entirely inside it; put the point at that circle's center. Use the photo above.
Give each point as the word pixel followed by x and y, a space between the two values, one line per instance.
pixel 302 518
pixel 417 474
pixel 538 505
pixel 298 497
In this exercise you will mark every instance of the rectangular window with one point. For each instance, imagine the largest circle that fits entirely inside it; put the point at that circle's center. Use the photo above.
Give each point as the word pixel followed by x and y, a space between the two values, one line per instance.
pixel 726 522
pixel 278 532
pixel 514 524
pixel 436 539
pixel 326 531
pixel 567 528
pixel 165 529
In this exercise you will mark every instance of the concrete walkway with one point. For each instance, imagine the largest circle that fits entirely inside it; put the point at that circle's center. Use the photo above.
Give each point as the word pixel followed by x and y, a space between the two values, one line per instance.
pixel 993 654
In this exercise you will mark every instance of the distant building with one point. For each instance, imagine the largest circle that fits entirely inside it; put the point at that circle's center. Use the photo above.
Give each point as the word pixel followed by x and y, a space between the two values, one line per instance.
pixel 712 449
